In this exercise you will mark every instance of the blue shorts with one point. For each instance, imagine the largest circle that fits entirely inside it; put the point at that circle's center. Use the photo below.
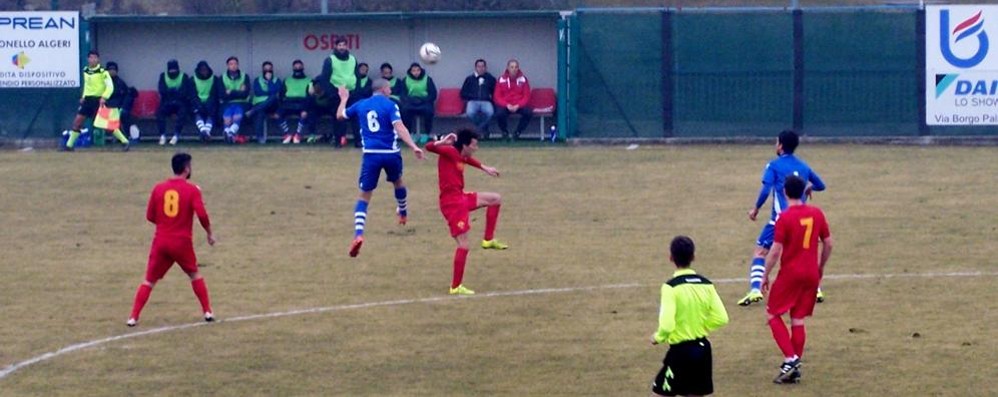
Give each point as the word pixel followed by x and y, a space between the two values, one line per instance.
pixel 766 237
pixel 371 166
pixel 233 110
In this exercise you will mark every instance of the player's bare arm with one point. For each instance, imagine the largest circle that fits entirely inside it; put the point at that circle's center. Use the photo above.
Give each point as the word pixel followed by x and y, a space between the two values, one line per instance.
pixel 826 252
pixel 490 170
pixel 406 137
pixel 753 214
pixel 341 111
pixel 774 255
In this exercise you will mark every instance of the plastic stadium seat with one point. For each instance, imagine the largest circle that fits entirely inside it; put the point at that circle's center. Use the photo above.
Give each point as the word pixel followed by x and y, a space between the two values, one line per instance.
pixel 543 101
pixel 145 105
pixel 449 103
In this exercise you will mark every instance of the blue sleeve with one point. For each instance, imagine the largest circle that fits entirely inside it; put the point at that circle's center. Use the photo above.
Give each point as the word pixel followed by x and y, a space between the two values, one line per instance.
pixel 816 183
pixel 768 180
pixel 395 115
pixel 352 111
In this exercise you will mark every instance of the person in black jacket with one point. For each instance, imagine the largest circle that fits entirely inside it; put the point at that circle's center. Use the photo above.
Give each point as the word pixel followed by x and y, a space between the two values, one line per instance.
pixel 119 98
pixel 127 99
pixel 417 100
pixel 477 92
pixel 204 98
pixel 174 91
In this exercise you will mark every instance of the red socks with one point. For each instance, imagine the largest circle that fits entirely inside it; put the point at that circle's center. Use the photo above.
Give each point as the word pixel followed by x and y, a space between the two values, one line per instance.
pixel 782 336
pixel 797 338
pixel 460 258
pixel 141 297
pixel 201 290
pixel 491 219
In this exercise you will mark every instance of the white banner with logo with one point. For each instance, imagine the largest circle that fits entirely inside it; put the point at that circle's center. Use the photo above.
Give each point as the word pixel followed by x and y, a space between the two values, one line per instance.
pixel 39 49
pixel 961 62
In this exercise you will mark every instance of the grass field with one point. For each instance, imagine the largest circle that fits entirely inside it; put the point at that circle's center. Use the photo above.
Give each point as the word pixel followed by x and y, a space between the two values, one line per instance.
pixel 74 242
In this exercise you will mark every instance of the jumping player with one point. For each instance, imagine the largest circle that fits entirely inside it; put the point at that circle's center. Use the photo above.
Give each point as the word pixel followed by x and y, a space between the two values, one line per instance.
pixel 456 150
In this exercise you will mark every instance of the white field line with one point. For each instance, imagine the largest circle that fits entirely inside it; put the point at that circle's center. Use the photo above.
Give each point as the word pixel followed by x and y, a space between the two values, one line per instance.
pixel 97 342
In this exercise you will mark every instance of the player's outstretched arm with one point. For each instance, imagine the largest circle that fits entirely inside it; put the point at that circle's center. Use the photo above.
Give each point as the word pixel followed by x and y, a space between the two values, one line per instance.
pixel 404 135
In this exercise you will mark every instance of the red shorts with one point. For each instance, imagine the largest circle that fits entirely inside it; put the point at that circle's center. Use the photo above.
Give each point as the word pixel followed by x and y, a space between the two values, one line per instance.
pixel 166 251
pixel 794 295
pixel 456 212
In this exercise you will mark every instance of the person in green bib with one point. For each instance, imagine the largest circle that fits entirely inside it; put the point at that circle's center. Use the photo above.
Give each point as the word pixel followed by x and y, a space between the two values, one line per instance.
pixel 97 88
pixel 204 98
pixel 294 102
pixel 235 99
pixel 174 91
pixel 339 70
pixel 417 100
pixel 388 73
pixel 266 100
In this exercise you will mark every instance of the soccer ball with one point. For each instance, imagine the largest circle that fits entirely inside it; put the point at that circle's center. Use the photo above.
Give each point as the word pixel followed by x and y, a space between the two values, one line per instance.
pixel 429 53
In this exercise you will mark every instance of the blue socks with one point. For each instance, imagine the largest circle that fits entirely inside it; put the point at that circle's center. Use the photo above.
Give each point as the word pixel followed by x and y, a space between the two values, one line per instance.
pixel 755 274
pixel 359 218
pixel 400 198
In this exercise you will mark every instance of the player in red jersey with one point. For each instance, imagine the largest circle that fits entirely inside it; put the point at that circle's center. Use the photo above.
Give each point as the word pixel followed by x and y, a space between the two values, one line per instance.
pixel 172 206
pixel 799 230
pixel 456 150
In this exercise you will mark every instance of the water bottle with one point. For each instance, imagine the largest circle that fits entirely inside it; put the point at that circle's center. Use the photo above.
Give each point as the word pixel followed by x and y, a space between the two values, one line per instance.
pixel 554 133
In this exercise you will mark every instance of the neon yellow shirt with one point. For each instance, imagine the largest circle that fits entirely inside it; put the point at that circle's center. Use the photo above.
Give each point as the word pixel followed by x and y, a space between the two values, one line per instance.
pixel 97 82
pixel 691 308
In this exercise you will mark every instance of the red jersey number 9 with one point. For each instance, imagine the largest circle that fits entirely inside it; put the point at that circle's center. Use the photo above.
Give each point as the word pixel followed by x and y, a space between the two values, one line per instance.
pixel 171 203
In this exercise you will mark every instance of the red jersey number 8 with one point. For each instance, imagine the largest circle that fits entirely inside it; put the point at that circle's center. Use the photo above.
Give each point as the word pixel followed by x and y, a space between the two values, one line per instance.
pixel 171 203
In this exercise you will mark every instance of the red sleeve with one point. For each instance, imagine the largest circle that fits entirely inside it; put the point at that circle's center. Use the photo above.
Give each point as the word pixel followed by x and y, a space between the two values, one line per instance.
pixel 472 162
pixel 199 209
pixel 448 151
pixel 500 94
pixel 823 231
pixel 151 207
pixel 780 234
pixel 525 99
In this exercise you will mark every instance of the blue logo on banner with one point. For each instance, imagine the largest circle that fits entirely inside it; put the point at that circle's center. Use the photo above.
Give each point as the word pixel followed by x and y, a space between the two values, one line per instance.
pixel 970 27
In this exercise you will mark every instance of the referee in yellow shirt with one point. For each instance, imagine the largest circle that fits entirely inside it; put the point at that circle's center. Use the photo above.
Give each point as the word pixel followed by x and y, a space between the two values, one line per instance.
pixel 691 309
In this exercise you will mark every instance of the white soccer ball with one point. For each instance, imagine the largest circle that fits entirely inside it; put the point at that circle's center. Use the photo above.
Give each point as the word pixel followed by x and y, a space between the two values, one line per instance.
pixel 429 53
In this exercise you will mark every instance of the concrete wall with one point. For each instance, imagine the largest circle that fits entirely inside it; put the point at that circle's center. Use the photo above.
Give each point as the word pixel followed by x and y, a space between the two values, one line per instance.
pixel 143 48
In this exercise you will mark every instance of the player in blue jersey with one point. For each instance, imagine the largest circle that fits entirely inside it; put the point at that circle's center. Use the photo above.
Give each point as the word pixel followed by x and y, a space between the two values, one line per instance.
pixel 773 177
pixel 380 128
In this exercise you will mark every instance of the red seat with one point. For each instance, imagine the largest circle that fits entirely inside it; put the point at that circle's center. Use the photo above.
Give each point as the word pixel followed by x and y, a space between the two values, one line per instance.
pixel 449 103
pixel 145 105
pixel 543 100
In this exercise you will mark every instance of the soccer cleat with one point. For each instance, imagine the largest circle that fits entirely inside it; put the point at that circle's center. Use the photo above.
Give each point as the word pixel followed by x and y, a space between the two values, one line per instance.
pixel 820 297
pixel 208 317
pixel 173 141
pixel 131 322
pixel 296 139
pixel 126 146
pixel 494 244
pixel 752 297
pixel 286 140
pixel 461 290
pixel 355 246
pixel 787 371
pixel 343 141
pixel 403 219
pixel 162 140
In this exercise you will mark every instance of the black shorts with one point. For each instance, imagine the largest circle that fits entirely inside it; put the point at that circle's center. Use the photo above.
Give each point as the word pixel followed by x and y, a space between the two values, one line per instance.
pixel 89 106
pixel 685 370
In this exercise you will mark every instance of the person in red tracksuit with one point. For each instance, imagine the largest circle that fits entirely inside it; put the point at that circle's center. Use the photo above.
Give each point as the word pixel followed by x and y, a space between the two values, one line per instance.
pixel 512 96
pixel 172 206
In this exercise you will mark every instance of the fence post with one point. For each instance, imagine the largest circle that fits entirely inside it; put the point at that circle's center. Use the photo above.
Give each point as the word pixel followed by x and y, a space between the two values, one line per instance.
pixel 668 76
pixel 923 128
pixel 798 105
pixel 563 87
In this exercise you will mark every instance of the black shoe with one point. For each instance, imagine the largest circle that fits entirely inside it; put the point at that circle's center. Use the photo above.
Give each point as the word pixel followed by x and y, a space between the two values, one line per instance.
pixel 208 317
pixel 126 146
pixel 787 371
pixel 67 149
pixel 516 135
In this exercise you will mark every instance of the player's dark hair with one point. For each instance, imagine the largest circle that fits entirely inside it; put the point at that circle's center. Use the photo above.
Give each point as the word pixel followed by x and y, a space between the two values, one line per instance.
pixel 93 52
pixel 180 162
pixel 232 58
pixel 265 63
pixel 794 186
pixel 482 61
pixel 340 39
pixel 464 138
pixel 789 140
pixel 297 62
pixel 386 65
pixel 682 250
